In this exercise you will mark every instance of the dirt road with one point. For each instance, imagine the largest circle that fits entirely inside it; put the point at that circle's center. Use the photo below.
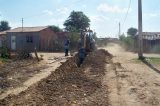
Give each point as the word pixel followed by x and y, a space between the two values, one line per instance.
pixel 132 83
pixel 102 80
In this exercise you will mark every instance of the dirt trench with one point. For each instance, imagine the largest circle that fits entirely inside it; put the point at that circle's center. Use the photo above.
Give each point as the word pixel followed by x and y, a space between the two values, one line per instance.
pixel 69 85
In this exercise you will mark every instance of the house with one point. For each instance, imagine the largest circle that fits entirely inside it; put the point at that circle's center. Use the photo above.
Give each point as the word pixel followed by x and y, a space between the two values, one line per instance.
pixel 29 38
pixel 3 38
pixel 151 41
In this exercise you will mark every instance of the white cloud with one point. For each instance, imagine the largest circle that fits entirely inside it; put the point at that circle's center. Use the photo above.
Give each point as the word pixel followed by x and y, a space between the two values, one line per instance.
pixel 99 18
pixel 48 12
pixel 63 10
pixel 113 9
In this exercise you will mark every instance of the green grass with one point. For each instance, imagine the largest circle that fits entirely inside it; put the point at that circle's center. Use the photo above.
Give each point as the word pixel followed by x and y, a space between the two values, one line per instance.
pixel 151 60
pixel 4 60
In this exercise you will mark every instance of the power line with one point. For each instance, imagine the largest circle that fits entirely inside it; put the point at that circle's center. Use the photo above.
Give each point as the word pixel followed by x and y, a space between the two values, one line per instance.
pixel 127 13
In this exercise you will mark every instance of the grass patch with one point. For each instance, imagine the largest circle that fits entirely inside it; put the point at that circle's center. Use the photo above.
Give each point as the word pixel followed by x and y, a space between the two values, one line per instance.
pixel 151 60
pixel 4 60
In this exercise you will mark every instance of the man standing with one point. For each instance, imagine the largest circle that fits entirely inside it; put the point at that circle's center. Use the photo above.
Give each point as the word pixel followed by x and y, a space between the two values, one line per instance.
pixel 66 46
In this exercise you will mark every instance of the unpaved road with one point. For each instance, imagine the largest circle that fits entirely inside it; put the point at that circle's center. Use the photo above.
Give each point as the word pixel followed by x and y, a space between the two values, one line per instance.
pixel 132 83
pixel 101 81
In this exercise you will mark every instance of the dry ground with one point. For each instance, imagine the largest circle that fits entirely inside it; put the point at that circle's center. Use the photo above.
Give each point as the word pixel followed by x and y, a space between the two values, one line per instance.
pixel 69 85
pixel 133 83
pixel 101 81
pixel 17 75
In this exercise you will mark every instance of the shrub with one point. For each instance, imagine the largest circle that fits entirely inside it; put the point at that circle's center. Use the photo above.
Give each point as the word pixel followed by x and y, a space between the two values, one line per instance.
pixel 4 52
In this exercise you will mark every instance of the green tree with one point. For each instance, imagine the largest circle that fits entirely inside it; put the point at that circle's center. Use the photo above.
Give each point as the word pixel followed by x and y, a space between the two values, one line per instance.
pixel 55 28
pixel 132 31
pixel 77 21
pixel 4 25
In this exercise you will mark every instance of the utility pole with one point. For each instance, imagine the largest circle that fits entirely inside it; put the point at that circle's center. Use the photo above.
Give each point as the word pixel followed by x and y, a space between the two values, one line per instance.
pixel 22 24
pixel 140 39
pixel 119 34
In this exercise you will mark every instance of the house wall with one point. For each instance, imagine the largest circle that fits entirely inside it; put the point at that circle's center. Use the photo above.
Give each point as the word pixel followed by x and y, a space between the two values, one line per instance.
pixel 3 40
pixel 149 45
pixel 21 40
pixel 47 40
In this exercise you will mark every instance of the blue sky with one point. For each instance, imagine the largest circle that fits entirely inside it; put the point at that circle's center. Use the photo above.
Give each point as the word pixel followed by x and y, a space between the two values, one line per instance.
pixel 104 14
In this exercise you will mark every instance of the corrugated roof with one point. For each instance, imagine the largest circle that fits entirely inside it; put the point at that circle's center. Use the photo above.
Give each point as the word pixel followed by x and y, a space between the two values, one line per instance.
pixel 28 29
pixel 151 35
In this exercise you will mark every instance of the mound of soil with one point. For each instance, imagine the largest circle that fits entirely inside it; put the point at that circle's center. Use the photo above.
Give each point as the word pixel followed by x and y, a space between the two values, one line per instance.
pixel 68 85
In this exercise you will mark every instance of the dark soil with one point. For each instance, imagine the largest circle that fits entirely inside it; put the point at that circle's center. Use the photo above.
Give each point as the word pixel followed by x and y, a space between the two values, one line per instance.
pixel 68 85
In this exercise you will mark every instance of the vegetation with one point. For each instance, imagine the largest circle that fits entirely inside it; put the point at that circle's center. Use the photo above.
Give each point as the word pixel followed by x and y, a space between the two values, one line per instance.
pixel 153 60
pixel 4 60
pixel 55 28
pixel 4 25
pixel 4 52
pixel 129 41
pixel 74 37
pixel 77 21
pixel 132 32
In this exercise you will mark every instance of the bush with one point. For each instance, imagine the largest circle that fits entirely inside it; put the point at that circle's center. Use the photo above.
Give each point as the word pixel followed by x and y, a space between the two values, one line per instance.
pixel 4 52
pixel 128 42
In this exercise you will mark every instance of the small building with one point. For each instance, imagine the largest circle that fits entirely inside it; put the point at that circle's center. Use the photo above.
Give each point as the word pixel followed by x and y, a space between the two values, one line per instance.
pixel 29 38
pixel 151 41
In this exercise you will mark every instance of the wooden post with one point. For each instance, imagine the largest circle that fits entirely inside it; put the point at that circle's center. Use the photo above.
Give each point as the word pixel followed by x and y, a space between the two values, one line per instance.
pixel 35 51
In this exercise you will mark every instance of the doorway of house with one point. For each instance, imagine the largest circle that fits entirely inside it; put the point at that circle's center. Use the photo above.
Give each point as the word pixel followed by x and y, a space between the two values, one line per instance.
pixel 13 42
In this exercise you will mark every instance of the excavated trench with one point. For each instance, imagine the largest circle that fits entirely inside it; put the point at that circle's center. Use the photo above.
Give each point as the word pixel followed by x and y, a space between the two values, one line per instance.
pixel 69 85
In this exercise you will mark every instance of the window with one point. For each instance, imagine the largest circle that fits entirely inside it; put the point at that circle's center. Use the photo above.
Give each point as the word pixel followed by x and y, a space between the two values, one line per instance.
pixel 29 39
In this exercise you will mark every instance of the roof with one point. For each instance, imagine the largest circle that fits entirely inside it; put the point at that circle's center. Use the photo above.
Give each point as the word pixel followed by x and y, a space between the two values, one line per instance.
pixel 28 29
pixel 3 33
pixel 151 35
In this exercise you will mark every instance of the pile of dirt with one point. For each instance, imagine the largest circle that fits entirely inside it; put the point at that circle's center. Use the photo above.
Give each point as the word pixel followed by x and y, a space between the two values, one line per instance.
pixel 68 85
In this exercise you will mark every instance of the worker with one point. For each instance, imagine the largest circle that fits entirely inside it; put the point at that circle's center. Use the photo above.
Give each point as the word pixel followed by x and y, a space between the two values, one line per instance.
pixel 81 55
pixel 66 46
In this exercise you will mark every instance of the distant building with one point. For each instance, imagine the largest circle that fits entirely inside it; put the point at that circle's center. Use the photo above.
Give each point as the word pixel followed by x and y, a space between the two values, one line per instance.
pixel 151 40
pixel 29 38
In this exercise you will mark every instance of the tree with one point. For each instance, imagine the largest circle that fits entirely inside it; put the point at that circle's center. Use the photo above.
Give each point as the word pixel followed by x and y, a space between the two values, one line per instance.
pixel 55 28
pixel 132 31
pixel 77 21
pixel 4 25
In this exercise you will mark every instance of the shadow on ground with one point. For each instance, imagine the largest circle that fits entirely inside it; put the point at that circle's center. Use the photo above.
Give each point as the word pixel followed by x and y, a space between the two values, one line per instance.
pixel 151 66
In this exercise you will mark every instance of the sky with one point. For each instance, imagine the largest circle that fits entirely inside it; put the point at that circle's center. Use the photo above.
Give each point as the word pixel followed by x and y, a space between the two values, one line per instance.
pixel 105 15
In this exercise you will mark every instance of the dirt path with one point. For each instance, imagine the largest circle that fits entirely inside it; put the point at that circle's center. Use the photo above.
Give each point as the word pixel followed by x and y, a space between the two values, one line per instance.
pixel 131 83
pixel 52 60
pixel 101 81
